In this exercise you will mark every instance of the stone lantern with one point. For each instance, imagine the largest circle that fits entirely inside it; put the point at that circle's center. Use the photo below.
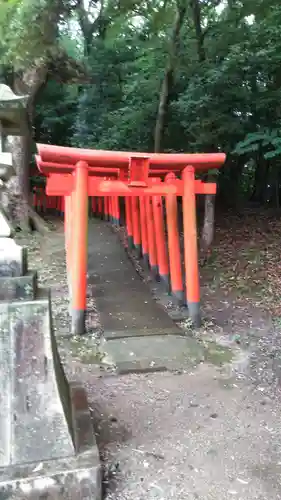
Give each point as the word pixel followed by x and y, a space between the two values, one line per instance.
pixel 12 111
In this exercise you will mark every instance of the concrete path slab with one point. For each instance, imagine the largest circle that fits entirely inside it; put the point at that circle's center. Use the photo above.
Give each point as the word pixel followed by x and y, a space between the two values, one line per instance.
pixel 158 353
pixel 124 301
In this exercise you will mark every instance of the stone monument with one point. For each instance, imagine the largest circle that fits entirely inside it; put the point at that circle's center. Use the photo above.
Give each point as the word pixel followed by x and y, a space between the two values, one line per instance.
pixel 47 444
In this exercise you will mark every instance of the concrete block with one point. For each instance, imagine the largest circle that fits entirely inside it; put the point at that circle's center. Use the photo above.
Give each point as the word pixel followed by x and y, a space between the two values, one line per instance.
pixel 18 287
pixel 47 445
pixel 13 258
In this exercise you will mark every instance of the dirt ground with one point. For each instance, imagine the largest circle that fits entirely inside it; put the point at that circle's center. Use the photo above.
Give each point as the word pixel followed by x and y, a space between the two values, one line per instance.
pixel 210 433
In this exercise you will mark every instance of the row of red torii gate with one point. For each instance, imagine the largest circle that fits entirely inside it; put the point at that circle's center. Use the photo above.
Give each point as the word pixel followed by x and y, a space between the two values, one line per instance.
pixel 144 180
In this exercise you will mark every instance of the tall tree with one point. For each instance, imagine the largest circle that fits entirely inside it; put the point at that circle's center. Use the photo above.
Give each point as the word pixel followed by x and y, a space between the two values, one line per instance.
pixel 31 50
pixel 168 79
pixel 207 234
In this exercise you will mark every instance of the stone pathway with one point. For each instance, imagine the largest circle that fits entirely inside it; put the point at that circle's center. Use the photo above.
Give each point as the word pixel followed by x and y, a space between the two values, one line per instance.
pixel 124 302
pixel 139 335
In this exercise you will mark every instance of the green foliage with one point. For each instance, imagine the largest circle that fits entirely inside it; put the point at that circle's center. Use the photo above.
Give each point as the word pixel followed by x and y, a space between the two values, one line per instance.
pixel 229 100
pixel 31 31
pixel 267 141
pixel 113 110
pixel 55 113
pixel 21 39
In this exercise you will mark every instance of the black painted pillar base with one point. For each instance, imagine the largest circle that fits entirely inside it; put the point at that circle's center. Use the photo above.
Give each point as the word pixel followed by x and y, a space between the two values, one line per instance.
pixel 179 297
pixel 195 313
pixel 166 280
pixel 155 272
pixel 138 251
pixel 146 260
pixel 130 243
pixel 78 321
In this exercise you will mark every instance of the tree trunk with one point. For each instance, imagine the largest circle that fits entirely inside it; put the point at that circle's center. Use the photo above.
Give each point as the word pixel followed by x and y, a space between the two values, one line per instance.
pixel 20 147
pixel 196 13
pixel 53 59
pixel 89 27
pixel 208 229
pixel 162 110
pixel 19 185
pixel 168 79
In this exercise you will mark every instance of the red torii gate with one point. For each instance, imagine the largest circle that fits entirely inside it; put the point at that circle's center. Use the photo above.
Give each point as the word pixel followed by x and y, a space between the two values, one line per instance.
pixel 77 174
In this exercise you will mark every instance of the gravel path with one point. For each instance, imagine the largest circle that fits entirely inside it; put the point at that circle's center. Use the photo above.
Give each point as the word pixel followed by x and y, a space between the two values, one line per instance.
pixel 210 433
